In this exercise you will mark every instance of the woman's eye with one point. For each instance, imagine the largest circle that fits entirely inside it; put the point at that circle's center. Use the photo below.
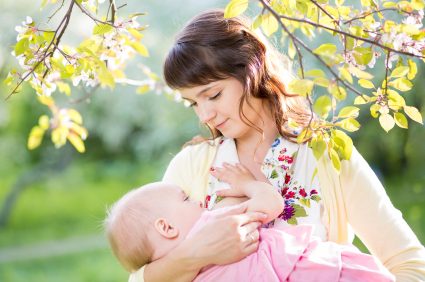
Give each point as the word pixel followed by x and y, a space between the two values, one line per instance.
pixel 192 104
pixel 216 96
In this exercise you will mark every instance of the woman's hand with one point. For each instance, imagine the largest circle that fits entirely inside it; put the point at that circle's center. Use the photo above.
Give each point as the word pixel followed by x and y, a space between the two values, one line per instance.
pixel 227 238
pixel 237 176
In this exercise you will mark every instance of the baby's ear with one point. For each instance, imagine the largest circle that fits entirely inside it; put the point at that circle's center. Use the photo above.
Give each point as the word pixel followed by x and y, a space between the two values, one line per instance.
pixel 166 228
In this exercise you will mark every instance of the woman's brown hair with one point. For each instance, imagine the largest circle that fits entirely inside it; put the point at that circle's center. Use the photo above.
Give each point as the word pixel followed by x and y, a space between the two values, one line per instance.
pixel 211 48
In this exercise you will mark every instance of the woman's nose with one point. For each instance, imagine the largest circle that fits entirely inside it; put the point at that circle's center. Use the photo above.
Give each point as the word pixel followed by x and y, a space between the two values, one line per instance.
pixel 205 114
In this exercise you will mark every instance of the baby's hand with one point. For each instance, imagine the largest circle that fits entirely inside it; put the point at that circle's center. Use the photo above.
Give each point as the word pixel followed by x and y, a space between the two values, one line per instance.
pixel 237 177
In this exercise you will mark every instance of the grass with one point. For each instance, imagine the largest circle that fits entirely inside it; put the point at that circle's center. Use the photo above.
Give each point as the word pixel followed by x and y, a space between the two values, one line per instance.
pixel 73 203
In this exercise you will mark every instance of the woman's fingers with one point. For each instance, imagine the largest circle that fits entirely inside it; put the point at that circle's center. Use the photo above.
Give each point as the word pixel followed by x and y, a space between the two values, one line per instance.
pixel 251 217
pixel 252 248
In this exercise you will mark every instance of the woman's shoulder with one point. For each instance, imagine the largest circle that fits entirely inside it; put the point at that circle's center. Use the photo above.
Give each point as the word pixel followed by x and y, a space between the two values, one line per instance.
pixel 200 149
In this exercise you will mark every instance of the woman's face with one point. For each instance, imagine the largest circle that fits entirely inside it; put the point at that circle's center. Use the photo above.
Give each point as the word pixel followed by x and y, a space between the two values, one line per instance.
pixel 217 104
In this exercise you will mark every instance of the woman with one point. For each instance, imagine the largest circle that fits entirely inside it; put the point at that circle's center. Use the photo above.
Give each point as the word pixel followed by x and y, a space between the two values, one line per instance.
pixel 236 82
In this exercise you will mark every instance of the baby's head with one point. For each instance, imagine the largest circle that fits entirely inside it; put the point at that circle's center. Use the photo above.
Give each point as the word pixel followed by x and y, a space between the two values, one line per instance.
pixel 148 222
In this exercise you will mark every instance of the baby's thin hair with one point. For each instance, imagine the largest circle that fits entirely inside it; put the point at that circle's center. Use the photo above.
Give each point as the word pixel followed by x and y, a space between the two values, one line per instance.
pixel 127 225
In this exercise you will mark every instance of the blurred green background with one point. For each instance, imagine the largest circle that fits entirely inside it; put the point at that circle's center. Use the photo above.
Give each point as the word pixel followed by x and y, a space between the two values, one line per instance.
pixel 53 201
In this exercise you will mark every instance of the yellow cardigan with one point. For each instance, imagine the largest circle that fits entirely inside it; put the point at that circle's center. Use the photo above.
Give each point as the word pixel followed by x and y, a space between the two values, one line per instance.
pixel 356 197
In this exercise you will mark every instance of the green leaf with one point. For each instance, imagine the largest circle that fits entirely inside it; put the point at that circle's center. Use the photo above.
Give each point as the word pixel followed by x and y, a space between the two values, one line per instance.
pixel 108 79
pixel 346 74
pixel 312 178
pixel 349 124
pixel 77 142
pixel 401 84
pixel 44 122
pixel 19 89
pixel 321 81
pixel 57 63
pixel 39 39
pixel 315 72
pixel 305 202
pixel 360 74
pixel 344 144
pixel 413 113
pixel 235 8
pixel 142 89
pixel 258 20
pixel 21 46
pixel 9 79
pixel 365 83
pixel 400 71
pixel 350 43
pixel 358 58
pixel 43 4
pixel 134 32
pixel 322 106
pixel 274 174
pixel 35 138
pixel 101 29
pixel 363 50
pixel 348 112
pixel 304 136
pixel 132 15
pixel 318 146
pixel 337 92
pixel 409 29
pixel 139 47
pixel 301 7
pixel 327 48
pixel 86 43
pixel 269 24
pixel 412 69
pixel 302 87
pixel 387 122
pixel 360 100
pixel 336 164
pixel 374 110
pixel 400 120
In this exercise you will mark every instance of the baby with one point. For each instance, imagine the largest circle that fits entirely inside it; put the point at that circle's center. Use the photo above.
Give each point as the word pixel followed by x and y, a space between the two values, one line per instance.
pixel 150 221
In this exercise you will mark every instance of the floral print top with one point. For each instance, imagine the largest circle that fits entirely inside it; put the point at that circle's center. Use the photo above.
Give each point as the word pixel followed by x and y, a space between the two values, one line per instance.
pixel 291 169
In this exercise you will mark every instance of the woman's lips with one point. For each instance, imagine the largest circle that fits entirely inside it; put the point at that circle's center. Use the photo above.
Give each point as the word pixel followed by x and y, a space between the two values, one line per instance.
pixel 221 124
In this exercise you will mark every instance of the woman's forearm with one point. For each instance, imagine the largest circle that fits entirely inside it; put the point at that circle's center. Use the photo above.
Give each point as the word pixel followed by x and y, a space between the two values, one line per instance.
pixel 178 265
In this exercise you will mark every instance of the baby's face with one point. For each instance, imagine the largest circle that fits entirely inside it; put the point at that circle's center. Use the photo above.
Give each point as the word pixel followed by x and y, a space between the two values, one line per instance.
pixel 181 211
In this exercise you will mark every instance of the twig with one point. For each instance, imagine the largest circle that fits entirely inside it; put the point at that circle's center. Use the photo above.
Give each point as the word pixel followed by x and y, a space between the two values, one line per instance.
pixel 370 13
pixel 113 11
pixel 88 93
pixel 63 2
pixel 123 5
pixel 340 32
pixel 324 11
pixel 90 16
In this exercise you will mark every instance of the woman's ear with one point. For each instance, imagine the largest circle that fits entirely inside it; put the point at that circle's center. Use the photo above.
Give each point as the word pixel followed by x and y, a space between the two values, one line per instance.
pixel 166 228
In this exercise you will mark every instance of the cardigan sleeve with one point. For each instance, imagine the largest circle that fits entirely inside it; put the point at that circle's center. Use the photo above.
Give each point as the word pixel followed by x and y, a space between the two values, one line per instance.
pixel 378 223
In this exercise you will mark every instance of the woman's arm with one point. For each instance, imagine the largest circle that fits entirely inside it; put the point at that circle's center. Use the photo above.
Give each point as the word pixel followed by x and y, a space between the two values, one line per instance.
pixel 218 242
pixel 378 224
pixel 221 241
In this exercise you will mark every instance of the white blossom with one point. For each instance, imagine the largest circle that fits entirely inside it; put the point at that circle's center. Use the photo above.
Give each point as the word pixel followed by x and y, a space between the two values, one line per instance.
pixel 390 60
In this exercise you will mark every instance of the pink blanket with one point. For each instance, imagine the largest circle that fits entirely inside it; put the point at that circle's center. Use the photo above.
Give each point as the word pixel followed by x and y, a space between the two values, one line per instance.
pixel 293 254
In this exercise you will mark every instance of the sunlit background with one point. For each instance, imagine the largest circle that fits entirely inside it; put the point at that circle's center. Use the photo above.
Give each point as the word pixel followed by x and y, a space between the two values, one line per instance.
pixel 52 201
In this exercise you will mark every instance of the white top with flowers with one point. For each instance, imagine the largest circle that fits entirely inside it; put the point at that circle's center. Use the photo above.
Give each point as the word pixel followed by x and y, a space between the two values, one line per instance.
pixel 292 178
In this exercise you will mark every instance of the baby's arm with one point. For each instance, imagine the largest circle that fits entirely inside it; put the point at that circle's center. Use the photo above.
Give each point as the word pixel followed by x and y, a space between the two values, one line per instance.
pixel 263 196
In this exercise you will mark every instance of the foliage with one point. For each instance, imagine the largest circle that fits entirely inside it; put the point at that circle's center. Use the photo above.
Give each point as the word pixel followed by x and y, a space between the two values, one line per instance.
pixel 47 66
pixel 365 33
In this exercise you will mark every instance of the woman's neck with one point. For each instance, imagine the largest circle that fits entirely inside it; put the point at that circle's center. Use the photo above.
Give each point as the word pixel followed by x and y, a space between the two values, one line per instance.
pixel 247 144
